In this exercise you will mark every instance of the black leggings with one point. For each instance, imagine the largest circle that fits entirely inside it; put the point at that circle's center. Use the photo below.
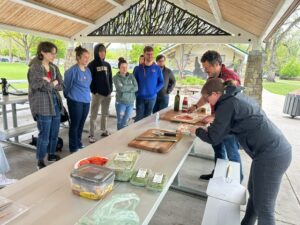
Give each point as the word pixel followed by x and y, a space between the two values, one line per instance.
pixel 263 186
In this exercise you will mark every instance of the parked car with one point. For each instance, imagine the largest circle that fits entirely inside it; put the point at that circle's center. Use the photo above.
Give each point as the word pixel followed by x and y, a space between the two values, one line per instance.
pixel 4 60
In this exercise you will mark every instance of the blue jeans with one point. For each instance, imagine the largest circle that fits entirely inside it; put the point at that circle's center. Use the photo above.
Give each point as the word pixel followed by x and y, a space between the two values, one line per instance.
pixel 78 112
pixel 229 148
pixel 162 102
pixel 48 127
pixel 144 108
pixel 124 112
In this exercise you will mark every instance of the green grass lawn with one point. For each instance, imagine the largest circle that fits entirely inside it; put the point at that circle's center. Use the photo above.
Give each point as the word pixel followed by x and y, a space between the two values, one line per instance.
pixel 281 87
pixel 18 71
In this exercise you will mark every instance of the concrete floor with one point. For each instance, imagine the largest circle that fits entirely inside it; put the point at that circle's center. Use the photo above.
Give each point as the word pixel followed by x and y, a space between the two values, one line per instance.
pixel 179 209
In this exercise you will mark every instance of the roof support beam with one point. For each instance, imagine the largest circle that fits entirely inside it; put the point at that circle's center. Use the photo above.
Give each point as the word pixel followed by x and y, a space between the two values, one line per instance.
pixel 229 27
pixel 54 11
pixel 115 3
pixel 33 32
pixel 164 39
pixel 282 7
pixel 102 20
pixel 214 6
pixel 240 35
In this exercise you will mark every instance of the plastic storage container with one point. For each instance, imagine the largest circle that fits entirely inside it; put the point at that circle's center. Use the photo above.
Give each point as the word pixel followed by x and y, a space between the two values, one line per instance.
pixel 92 181
pixel 157 182
pixel 140 177
pixel 123 164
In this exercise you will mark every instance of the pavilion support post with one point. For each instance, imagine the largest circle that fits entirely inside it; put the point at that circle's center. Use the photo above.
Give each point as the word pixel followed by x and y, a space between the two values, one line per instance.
pixel 90 48
pixel 70 58
pixel 253 76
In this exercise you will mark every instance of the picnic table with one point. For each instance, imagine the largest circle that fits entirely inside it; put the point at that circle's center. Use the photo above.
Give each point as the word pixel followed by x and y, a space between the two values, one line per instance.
pixel 15 130
pixel 48 194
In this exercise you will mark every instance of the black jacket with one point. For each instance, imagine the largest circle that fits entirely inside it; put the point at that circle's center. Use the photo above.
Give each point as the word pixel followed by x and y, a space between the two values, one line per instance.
pixel 101 75
pixel 169 82
pixel 237 114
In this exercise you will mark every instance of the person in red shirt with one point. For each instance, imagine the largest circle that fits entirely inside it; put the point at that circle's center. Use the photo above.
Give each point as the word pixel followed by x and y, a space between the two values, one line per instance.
pixel 229 147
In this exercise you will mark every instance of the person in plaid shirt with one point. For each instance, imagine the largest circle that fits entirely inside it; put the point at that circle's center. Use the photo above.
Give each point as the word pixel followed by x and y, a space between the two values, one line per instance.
pixel 45 102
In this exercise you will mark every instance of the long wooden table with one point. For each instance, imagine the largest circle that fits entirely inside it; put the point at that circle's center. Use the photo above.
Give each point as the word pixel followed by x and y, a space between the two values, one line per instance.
pixel 48 194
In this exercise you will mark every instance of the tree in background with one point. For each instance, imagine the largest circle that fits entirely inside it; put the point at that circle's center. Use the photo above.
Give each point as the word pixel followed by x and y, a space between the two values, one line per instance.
pixel 24 41
pixel 274 45
pixel 15 41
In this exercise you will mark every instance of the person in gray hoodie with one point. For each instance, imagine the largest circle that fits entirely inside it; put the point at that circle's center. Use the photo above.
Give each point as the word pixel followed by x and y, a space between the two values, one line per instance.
pixel 126 86
pixel 270 151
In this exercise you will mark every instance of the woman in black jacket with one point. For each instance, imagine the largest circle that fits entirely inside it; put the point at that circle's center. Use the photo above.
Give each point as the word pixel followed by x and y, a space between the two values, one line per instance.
pixel 261 139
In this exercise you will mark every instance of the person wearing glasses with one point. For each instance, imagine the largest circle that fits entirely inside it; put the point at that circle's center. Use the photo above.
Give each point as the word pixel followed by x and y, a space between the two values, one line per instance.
pixel 229 147
pixel 45 82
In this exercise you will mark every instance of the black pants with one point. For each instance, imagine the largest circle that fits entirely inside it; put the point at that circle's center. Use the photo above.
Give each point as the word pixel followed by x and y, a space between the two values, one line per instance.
pixel 263 186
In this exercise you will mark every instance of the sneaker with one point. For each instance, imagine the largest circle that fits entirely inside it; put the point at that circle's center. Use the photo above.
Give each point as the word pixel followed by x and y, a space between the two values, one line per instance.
pixel 53 158
pixel 4 181
pixel 105 133
pixel 41 164
pixel 92 139
pixel 207 176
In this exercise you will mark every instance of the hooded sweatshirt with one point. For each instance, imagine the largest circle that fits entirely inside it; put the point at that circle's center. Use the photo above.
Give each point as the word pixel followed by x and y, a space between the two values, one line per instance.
pixel 101 74
pixel 237 114
pixel 150 81
pixel 126 86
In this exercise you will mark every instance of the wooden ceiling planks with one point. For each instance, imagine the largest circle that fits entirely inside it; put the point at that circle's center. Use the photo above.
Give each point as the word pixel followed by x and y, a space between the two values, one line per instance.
pixel 203 4
pixel 89 9
pixel 28 18
pixel 251 15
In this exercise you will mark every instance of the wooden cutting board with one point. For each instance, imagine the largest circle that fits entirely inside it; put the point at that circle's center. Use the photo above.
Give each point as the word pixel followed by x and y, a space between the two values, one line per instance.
pixel 154 146
pixel 171 116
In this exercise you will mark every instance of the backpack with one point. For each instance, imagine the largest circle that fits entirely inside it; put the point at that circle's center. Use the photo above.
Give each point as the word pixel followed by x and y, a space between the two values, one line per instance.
pixel 59 145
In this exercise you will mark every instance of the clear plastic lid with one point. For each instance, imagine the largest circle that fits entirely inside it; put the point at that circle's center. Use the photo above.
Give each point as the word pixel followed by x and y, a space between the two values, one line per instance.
pixel 92 173
pixel 123 161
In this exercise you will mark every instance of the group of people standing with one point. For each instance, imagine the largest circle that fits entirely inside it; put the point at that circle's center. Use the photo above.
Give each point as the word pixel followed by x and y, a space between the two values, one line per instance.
pixel 88 86
pixel 236 119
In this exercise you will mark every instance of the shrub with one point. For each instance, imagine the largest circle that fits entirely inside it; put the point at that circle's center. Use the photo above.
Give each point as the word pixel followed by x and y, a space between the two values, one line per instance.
pixel 291 69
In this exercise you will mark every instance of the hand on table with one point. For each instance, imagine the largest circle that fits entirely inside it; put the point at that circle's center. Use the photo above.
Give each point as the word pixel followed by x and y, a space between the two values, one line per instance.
pixel 191 109
pixel 194 128
pixel 208 119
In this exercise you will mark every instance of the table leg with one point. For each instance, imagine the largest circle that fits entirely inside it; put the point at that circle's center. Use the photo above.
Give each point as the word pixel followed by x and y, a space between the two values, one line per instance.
pixel 199 155
pixel 15 120
pixel 4 114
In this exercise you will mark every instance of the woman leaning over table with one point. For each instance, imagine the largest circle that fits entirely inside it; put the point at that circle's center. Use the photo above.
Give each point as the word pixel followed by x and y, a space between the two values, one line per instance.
pixel 45 102
pixel 77 91
pixel 271 154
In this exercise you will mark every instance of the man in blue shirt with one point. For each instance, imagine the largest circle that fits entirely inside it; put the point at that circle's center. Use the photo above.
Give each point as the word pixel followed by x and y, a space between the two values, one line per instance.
pixel 150 80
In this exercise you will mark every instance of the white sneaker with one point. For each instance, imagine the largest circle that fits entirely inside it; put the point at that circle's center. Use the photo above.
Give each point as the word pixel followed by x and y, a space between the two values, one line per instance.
pixel 4 181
